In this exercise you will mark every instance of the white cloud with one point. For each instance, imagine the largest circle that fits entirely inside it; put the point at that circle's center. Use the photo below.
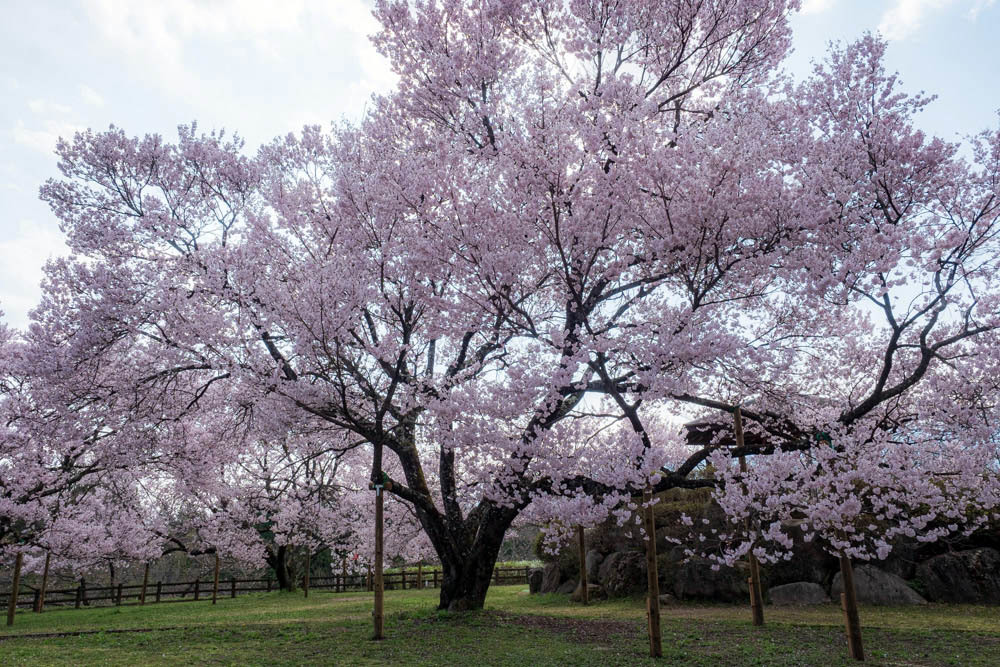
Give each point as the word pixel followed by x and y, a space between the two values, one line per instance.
pixel 44 107
pixel 905 17
pixel 43 139
pixel 816 6
pixel 156 35
pixel 24 251
pixel 978 6
pixel 91 96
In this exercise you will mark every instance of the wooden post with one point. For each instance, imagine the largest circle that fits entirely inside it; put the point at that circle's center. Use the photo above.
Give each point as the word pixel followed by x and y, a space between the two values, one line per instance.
pixel 15 582
pixel 756 596
pixel 45 583
pixel 36 600
pixel 269 584
pixel 849 602
pixel 118 596
pixel 79 596
pixel 652 577
pixel 379 580
pixel 232 588
pixel 583 565
pixel 435 578
pixel 215 579
pixel 83 591
pixel 305 578
pixel 420 575
pixel 145 583
pixel 159 585
pixel 197 588
pixel 368 582
pixel 343 572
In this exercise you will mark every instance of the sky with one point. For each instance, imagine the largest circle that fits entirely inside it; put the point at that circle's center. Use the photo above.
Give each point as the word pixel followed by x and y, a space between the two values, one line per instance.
pixel 264 68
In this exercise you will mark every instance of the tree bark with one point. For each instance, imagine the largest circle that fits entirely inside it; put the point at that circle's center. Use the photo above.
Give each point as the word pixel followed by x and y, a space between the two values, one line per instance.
pixel 278 560
pixel 582 542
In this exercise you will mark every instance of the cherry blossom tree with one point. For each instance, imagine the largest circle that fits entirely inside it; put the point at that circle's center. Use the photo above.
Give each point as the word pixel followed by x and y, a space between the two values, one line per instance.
pixel 567 216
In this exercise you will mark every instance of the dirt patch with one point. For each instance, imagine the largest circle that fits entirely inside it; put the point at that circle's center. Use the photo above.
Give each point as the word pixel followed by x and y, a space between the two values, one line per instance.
pixel 81 633
pixel 590 631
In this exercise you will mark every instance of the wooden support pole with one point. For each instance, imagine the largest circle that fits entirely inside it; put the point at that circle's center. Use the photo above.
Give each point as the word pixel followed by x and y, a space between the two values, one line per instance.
pixel 15 582
pixel 83 591
pixel 232 588
pixel 269 584
pixel 79 596
pixel 582 544
pixel 305 577
pixel 652 577
pixel 45 583
pixel 197 588
pixel 118 596
pixel 379 581
pixel 435 578
pixel 756 596
pixel 145 584
pixel 420 575
pixel 215 580
pixel 159 586
pixel 849 602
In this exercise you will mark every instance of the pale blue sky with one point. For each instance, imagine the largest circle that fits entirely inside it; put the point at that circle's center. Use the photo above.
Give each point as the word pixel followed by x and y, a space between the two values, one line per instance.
pixel 264 68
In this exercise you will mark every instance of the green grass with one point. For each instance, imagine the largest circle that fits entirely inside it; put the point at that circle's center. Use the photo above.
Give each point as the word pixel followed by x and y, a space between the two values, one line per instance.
pixel 515 629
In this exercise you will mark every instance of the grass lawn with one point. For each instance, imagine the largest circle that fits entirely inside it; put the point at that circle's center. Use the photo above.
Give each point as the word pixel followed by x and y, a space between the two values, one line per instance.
pixel 515 629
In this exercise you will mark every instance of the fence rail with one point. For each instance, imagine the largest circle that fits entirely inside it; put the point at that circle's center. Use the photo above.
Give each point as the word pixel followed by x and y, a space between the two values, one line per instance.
pixel 201 589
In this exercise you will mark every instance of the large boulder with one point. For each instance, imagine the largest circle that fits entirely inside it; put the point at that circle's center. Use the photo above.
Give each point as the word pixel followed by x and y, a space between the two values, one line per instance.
pixel 874 586
pixel 594 560
pixel 535 580
pixel 696 579
pixel 809 563
pixel 567 587
pixel 551 576
pixel 799 592
pixel 963 576
pixel 623 573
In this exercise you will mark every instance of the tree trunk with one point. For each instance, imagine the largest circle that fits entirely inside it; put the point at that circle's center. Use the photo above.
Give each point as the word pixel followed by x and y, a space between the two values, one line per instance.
pixel 278 560
pixel 466 576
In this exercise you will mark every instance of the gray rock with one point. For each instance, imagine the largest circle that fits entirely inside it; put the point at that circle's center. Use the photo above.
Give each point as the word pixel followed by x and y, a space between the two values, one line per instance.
pixel 971 576
pixel 535 580
pixel 567 587
pixel 697 579
pixel 623 573
pixel 877 587
pixel 593 560
pixel 800 592
pixel 550 578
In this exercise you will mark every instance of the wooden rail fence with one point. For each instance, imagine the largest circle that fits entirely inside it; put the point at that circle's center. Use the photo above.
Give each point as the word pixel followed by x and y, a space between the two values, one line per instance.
pixel 201 589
